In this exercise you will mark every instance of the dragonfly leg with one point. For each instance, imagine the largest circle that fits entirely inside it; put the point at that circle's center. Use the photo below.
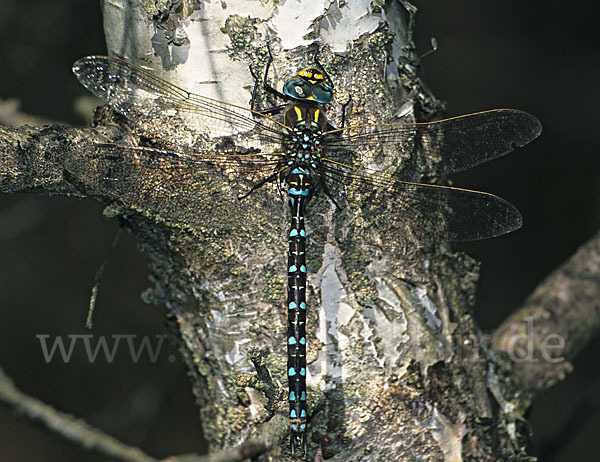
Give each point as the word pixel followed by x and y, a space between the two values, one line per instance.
pixel 276 109
pixel 273 110
pixel 268 88
pixel 323 187
pixel 259 184
pixel 255 89
pixel 344 110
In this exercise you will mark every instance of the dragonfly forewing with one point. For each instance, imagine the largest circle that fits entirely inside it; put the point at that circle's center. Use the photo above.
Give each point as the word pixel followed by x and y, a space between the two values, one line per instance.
pixel 142 97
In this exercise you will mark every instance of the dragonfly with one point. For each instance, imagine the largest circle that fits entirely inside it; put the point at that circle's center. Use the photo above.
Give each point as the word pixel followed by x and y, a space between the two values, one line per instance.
pixel 295 146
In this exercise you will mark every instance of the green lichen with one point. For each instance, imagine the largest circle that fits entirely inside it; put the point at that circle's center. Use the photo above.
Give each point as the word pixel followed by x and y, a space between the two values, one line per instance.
pixel 273 284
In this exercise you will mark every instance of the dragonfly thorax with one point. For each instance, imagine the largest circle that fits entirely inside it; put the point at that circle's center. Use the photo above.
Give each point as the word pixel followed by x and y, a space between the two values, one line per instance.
pixel 304 147
pixel 306 123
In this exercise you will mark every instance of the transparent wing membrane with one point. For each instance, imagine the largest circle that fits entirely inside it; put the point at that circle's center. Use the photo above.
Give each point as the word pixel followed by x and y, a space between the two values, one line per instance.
pixel 447 146
pixel 429 213
pixel 202 159
pixel 139 95
pixel 143 177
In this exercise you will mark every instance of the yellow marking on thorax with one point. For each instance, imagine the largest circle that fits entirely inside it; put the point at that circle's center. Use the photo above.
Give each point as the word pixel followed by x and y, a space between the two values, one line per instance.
pixel 317 112
pixel 298 113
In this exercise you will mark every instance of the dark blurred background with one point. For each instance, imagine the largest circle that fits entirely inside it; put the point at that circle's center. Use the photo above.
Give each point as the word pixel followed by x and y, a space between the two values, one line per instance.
pixel 542 57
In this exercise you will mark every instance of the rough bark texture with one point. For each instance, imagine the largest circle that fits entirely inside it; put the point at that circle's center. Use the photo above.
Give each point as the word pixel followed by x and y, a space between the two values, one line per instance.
pixel 396 370
pixel 555 323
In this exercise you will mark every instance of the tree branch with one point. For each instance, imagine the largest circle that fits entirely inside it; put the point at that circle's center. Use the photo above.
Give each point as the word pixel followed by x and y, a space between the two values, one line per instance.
pixel 37 159
pixel 554 324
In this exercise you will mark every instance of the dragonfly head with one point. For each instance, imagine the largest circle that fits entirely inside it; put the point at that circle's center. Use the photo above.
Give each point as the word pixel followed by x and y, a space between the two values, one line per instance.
pixel 309 85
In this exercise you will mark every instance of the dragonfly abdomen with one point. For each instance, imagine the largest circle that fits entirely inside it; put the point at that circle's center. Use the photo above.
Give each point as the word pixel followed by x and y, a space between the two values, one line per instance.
pixel 299 184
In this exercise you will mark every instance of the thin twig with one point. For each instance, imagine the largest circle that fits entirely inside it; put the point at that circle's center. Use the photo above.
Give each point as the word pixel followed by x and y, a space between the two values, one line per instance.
pixel 69 427
pixel 77 431
pixel 88 323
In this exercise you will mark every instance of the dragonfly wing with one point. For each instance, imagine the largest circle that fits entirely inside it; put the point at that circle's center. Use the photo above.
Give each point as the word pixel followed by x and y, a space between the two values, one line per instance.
pixel 148 178
pixel 139 95
pixel 441 147
pixel 417 214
